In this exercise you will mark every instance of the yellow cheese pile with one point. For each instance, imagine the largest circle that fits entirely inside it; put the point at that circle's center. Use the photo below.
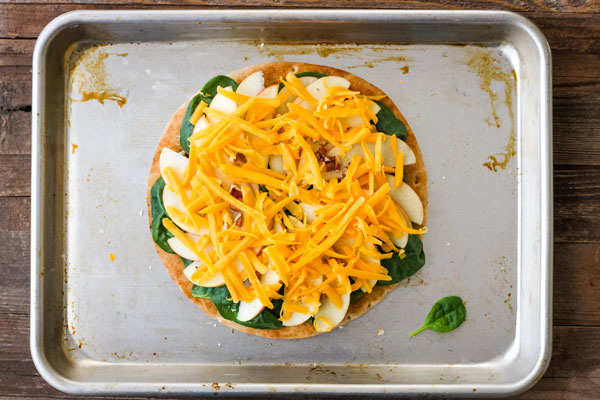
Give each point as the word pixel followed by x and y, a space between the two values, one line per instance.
pixel 315 223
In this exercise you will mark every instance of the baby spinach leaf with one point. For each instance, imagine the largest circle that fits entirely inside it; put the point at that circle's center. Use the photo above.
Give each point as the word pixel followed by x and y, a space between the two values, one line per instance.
pixel 207 93
pixel 307 73
pixel 310 73
pixel 446 314
pixel 267 319
pixel 401 268
pixel 388 123
pixel 263 188
pixel 185 261
pixel 201 292
pixel 160 234
pixel 357 294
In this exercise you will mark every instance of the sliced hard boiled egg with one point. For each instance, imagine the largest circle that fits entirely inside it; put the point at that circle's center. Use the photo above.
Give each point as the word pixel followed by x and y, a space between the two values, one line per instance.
pixel 177 162
pixel 387 155
pixel 318 89
pixel 299 318
pixel 329 316
pixel 370 282
pixel 305 81
pixel 223 104
pixel 309 212
pixel 276 163
pixel 252 85
pixel 408 199
pixel 250 309
pixel 171 200
pixel 355 120
pixel 201 124
pixel 215 281
pixel 399 241
pixel 181 249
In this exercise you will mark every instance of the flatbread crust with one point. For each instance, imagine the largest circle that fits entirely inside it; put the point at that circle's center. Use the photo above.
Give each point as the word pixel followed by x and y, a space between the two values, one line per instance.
pixel 415 175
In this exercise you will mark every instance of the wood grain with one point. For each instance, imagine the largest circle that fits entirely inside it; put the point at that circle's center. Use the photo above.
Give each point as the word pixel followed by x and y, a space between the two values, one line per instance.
pixel 576 284
pixel 513 5
pixel 15 175
pixel 576 203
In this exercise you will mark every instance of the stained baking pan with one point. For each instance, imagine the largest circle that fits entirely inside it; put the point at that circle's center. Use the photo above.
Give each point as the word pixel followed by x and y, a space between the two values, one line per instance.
pixel 474 86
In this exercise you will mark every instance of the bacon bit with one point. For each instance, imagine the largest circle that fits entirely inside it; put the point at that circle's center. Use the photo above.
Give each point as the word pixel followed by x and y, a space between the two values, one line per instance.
pixel 237 193
pixel 321 154
pixel 332 165
pixel 344 172
pixel 331 162
pixel 240 158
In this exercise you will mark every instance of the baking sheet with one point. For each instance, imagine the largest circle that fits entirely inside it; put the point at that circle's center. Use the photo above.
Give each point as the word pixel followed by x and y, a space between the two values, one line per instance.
pixel 125 325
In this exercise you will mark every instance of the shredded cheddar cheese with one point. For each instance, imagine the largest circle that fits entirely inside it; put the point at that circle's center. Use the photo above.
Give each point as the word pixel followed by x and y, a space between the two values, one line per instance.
pixel 273 192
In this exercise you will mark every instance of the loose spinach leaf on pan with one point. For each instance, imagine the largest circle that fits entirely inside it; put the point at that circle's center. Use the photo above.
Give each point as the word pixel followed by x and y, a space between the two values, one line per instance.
pixel 207 93
pixel 160 234
pixel 446 314
pixel 401 268
pixel 220 297
pixel 388 123
pixel 307 73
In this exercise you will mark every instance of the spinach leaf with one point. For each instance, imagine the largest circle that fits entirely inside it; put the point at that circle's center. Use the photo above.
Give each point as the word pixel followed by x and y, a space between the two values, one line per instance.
pixel 307 73
pixel 207 93
pixel 446 314
pixel 263 188
pixel 201 292
pixel 160 234
pixel 185 261
pixel 400 269
pixel 357 294
pixel 267 319
pixel 388 123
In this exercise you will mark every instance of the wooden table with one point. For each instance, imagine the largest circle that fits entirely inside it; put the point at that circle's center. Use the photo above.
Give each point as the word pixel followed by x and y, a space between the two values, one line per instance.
pixel 573 30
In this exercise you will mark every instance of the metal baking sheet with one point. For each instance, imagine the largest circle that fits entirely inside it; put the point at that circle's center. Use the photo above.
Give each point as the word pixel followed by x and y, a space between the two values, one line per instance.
pixel 474 86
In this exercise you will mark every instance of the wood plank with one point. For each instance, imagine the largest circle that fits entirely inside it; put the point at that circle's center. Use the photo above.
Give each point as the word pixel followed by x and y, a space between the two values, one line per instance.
pixel 15 132
pixel 572 32
pixel 569 33
pixel 575 73
pixel 577 128
pixel 512 5
pixel 15 172
pixel 563 389
pixel 575 352
pixel 14 214
pixel 576 284
pixel 16 52
pixel 576 204
pixel 14 276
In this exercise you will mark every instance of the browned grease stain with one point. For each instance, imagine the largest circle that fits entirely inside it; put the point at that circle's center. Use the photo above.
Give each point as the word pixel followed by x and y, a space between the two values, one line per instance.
pixel 88 78
pixel 404 69
pixel 122 54
pixel 487 67
pixel 372 63
pixel 277 51
pixel 73 148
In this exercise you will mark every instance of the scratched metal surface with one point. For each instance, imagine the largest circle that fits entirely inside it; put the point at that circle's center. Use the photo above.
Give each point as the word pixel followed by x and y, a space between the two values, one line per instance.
pixel 127 328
